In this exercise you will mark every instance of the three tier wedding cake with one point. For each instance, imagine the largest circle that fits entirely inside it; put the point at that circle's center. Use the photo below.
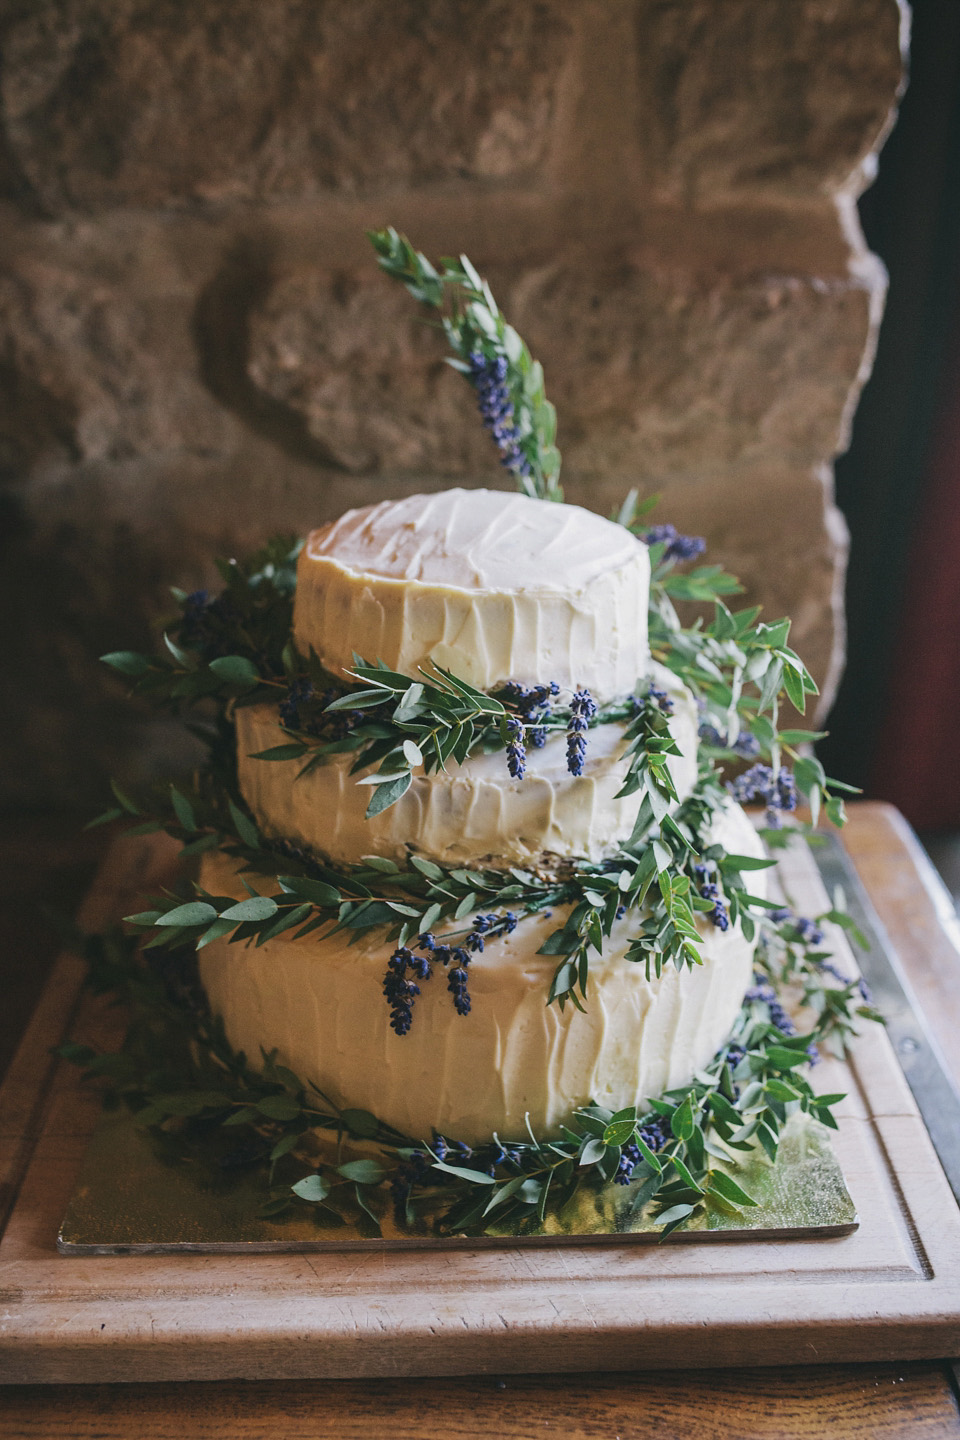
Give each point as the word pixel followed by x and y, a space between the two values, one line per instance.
pixel 512 595
pixel 467 878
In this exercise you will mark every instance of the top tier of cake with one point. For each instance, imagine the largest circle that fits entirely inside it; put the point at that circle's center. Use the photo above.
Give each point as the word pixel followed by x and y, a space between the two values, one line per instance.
pixel 490 585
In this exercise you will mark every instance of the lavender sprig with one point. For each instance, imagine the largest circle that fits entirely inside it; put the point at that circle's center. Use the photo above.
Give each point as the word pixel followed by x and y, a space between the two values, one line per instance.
pixel 676 547
pixel 496 407
pixel 775 789
pixel 516 749
pixel 490 355
pixel 583 707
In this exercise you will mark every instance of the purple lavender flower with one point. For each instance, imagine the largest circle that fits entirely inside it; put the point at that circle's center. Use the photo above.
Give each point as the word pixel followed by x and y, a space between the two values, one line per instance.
pixel 719 916
pixel 533 703
pixel 583 707
pixel 656 1133
pixel 414 1172
pixel 763 991
pixel 786 790
pixel 745 745
pixel 489 926
pixel 778 792
pixel 677 547
pixel 710 890
pixel 496 408
pixel 481 924
pixel 516 749
pixel 457 985
pixel 400 992
pixel 527 700
pixel 808 931
pixel 664 703
pixel 629 1160
pixel 710 735
pixel 299 692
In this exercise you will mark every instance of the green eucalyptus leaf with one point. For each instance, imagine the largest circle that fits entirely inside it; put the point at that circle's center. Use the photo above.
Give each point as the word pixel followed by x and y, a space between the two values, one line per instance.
pixel 619 1132
pixel 244 826
pixel 279 1107
pixel 182 809
pixel 722 1184
pixel 316 891
pixel 312 1188
pixel 364 1172
pixel 674 1214
pixel 235 670
pixel 195 912
pixel 476 1177
pixel 258 907
pixel 127 662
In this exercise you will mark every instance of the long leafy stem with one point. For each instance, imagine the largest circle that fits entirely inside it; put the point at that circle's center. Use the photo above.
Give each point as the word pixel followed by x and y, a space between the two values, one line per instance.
pixel 490 355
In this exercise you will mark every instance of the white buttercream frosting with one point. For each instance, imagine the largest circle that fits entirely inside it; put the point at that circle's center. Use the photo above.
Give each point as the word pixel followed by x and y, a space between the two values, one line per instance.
pixel 469 812
pixel 320 1003
pixel 491 585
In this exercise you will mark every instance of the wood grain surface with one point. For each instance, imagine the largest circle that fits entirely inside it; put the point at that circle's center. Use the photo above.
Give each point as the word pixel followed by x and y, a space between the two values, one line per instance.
pixel 917 913
pixel 915 1400
pixel 845 1403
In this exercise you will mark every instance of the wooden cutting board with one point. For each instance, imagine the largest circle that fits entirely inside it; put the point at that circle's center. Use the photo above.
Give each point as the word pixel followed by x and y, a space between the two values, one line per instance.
pixel 891 1290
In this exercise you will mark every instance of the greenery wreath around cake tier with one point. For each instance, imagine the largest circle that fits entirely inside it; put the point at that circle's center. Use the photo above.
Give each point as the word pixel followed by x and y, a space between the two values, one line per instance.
pixel 176 1070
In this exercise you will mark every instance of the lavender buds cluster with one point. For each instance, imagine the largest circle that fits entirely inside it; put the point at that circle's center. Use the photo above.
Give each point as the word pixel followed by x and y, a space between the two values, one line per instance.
pixel 762 990
pixel 677 547
pixel 400 991
pixel 533 703
pixel 663 702
pixel 496 407
pixel 205 622
pixel 710 890
pixel 516 748
pixel 777 791
pixel 655 1135
pixel 745 745
pixel 583 707
pixel 302 709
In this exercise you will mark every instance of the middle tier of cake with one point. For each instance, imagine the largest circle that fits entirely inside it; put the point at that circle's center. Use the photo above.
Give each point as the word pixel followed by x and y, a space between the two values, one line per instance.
pixel 469 813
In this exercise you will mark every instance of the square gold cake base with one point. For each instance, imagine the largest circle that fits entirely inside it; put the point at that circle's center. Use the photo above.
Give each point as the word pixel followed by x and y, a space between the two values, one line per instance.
pixel 130 1199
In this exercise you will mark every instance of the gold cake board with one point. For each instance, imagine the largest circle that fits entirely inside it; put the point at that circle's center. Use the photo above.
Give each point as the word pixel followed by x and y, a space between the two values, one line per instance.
pixel 889 1289
pixel 128 1200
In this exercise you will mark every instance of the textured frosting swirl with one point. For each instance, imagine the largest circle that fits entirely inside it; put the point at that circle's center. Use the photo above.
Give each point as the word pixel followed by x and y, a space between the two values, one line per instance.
pixel 319 1002
pixel 491 585
pixel 468 813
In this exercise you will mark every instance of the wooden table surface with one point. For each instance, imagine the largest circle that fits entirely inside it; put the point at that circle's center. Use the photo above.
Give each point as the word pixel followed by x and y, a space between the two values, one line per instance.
pixel 911 1400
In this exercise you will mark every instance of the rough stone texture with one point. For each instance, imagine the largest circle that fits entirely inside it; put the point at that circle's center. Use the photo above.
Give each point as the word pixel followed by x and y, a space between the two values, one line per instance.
pixel 784 98
pixel 151 102
pixel 197 350
pixel 104 375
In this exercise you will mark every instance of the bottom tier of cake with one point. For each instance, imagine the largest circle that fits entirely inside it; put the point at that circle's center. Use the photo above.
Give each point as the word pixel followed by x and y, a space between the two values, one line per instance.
pixel 319 1004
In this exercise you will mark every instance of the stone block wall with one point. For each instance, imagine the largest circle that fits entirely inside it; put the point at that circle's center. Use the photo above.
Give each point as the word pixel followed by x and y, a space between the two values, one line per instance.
pixel 197 349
